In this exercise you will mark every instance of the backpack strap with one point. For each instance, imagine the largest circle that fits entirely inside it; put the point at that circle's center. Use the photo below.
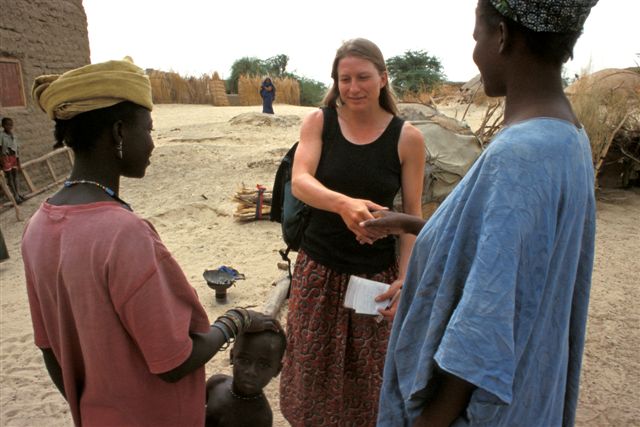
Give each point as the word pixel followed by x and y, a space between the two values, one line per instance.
pixel 329 130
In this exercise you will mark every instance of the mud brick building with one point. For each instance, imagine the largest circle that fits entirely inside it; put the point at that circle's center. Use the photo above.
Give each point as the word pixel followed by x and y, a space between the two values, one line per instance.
pixel 37 37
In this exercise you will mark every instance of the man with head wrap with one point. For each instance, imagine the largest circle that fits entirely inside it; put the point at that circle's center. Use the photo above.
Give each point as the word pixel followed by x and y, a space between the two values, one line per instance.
pixel 122 332
pixel 491 323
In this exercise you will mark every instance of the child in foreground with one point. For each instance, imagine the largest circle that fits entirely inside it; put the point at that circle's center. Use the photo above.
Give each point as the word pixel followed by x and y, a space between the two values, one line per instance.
pixel 239 401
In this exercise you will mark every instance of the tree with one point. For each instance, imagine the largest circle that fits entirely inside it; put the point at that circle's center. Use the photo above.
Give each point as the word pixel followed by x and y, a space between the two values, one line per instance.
pixel 249 66
pixel 277 65
pixel 414 72
pixel 311 91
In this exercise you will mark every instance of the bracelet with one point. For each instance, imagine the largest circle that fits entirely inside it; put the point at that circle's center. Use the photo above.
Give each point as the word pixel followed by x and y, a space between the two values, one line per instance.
pixel 244 313
pixel 236 319
pixel 225 333
pixel 229 325
pixel 234 323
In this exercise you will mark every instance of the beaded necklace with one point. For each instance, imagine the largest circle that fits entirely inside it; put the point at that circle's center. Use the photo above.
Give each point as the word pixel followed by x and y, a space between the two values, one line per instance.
pixel 237 396
pixel 68 183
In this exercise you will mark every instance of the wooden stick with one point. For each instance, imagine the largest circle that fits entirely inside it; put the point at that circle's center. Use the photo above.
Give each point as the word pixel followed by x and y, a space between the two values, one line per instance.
pixel 277 297
pixel 604 152
pixel 47 156
pixel 9 194
pixel 51 171
pixel 27 178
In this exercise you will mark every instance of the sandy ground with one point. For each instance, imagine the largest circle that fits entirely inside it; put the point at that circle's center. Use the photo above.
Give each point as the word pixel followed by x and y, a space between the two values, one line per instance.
pixel 199 162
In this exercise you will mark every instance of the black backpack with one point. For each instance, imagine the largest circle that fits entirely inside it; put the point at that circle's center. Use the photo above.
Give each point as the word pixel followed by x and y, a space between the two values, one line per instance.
pixel 287 209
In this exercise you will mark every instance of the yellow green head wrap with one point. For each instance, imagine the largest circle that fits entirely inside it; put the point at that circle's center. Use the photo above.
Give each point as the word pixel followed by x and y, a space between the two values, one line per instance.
pixel 92 87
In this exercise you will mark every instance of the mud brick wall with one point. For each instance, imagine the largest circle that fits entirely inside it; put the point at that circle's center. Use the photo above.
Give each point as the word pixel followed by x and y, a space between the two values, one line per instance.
pixel 46 37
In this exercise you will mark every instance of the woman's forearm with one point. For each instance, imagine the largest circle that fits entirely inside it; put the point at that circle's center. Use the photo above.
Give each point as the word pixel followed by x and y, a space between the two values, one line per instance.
pixel 205 346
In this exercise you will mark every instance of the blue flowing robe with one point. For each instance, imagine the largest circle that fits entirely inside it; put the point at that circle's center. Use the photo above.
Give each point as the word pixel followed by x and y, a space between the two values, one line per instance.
pixel 497 287
pixel 268 96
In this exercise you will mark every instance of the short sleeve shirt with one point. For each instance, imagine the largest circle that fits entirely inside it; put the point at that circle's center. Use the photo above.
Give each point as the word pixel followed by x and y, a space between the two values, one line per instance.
pixel 116 309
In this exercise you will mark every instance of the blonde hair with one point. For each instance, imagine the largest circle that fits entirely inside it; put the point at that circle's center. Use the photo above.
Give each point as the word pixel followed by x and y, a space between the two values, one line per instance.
pixel 365 49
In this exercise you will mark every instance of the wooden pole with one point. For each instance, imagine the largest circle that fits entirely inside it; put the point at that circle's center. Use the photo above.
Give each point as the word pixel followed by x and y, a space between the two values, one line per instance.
pixel 278 296
pixel 9 194
pixel 604 152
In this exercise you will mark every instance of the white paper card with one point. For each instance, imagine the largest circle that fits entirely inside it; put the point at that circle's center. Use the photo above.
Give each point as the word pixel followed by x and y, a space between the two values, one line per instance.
pixel 361 294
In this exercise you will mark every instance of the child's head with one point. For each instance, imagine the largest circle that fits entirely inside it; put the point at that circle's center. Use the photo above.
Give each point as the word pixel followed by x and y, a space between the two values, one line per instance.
pixel 256 359
pixel 7 124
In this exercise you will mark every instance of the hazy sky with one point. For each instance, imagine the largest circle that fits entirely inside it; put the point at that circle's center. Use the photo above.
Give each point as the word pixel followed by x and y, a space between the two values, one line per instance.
pixel 194 37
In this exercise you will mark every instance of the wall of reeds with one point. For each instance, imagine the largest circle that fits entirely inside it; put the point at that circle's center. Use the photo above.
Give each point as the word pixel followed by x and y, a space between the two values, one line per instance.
pixel 287 90
pixel 172 88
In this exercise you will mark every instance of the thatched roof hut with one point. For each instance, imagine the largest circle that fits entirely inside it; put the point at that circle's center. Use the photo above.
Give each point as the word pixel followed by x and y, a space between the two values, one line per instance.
pixel 608 105
pixel 626 81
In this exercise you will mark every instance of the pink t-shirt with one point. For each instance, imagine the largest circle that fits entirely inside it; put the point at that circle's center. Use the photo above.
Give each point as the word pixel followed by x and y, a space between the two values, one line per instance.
pixel 116 309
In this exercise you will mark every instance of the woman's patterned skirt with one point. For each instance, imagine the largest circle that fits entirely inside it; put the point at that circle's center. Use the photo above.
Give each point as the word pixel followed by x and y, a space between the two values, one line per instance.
pixel 334 361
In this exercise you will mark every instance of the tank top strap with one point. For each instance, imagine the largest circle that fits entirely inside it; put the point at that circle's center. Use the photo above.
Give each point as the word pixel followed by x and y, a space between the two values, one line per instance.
pixel 329 124
pixel 395 128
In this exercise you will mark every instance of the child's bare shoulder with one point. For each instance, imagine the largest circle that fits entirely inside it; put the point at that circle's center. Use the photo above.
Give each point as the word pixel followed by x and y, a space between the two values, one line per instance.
pixel 217 380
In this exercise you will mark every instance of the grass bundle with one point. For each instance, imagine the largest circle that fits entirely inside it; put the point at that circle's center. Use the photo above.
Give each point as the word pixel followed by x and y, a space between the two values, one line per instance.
pixel 253 204
pixel 172 88
pixel 287 90
pixel 218 91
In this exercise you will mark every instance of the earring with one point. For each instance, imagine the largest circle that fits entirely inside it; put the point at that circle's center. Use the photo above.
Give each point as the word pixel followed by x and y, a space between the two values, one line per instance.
pixel 119 150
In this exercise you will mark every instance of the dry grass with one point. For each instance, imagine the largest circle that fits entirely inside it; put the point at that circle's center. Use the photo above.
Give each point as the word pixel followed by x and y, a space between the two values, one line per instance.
pixel 172 88
pixel 446 92
pixel 608 114
pixel 420 98
pixel 440 94
pixel 287 90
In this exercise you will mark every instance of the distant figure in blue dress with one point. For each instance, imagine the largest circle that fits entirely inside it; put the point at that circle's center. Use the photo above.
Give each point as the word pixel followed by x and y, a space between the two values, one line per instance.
pixel 268 94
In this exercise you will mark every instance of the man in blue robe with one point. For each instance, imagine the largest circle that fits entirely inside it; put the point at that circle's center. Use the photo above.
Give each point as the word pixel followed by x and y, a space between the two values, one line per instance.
pixel 491 323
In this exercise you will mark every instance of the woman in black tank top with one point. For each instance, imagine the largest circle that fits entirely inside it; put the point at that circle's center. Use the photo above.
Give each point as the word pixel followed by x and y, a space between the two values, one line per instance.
pixel 353 157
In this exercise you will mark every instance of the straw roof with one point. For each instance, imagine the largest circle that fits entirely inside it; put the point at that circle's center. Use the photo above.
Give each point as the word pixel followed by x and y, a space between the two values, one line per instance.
pixel 609 79
pixel 607 103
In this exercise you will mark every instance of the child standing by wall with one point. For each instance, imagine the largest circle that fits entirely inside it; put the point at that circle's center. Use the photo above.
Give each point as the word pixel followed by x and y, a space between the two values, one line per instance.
pixel 9 160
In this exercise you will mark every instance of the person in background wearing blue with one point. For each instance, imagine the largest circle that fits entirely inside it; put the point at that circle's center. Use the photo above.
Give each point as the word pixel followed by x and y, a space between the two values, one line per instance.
pixel 491 323
pixel 268 94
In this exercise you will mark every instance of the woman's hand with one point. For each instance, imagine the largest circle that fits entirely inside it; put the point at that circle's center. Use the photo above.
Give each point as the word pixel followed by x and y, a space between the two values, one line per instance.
pixel 355 211
pixel 261 322
pixel 392 294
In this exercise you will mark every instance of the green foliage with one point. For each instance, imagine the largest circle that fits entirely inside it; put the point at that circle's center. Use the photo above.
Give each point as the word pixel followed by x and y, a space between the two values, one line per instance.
pixel 250 66
pixel 414 72
pixel 311 91
pixel 277 65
